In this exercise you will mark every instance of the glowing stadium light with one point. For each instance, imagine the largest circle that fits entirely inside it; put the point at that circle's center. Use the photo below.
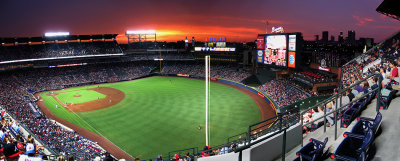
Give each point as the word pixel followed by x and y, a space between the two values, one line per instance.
pixel 140 32
pixel 52 34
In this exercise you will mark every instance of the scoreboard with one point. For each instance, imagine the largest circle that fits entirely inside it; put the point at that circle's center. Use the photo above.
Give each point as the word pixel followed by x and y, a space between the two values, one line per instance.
pixel 278 49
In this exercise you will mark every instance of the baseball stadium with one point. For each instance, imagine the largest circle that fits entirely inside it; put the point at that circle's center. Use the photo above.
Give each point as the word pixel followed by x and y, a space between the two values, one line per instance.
pixel 221 88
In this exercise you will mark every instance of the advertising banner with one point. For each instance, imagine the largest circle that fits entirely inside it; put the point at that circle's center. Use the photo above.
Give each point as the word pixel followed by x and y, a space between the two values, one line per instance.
pixel 260 56
pixel 292 42
pixel 260 42
pixel 182 75
pixel 292 59
pixel 324 68
pixel 214 49
pixel 260 94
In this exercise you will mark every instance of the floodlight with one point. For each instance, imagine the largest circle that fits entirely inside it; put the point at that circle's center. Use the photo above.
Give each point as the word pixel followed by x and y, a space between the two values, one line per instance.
pixel 52 34
pixel 141 32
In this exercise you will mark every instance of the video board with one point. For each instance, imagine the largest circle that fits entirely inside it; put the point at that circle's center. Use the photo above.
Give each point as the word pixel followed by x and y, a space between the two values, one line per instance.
pixel 275 50
pixel 278 49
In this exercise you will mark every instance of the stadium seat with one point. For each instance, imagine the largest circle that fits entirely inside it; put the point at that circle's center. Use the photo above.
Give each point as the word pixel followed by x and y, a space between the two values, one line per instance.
pixel 350 114
pixel 354 147
pixel 386 97
pixel 312 151
pixel 364 124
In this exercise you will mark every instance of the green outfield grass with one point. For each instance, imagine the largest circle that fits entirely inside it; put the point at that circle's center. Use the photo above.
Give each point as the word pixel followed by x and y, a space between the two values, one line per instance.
pixel 162 114
pixel 87 95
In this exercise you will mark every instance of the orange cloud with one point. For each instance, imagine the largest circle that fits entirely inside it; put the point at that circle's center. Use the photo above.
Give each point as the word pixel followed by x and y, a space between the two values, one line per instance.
pixel 201 33
pixel 361 21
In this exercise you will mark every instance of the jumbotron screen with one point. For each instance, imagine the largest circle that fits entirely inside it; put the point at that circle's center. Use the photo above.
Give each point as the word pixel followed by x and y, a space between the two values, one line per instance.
pixel 275 50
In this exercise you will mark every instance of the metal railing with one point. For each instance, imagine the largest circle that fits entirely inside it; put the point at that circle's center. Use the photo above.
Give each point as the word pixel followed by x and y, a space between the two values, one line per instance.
pixel 284 124
pixel 182 152
pixel 340 107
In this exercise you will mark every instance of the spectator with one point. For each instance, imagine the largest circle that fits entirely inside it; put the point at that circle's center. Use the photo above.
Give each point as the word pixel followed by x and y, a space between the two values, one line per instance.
pixel 11 152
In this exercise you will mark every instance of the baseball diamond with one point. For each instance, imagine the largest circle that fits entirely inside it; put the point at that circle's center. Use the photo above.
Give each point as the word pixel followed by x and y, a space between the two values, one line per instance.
pixel 147 117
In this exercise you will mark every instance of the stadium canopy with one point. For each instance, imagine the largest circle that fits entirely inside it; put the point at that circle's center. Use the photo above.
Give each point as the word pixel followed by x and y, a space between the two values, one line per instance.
pixel 390 8
pixel 11 40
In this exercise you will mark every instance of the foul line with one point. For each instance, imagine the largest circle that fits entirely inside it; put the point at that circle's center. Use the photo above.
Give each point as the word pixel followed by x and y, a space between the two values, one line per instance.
pixel 100 134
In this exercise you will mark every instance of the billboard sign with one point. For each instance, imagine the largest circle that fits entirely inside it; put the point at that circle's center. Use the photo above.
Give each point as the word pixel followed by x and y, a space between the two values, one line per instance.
pixel 214 49
pixel 324 68
pixel 260 56
pixel 292 59
pixel 221 44
pixel 277 30
pixel 261 42
pixel 292 42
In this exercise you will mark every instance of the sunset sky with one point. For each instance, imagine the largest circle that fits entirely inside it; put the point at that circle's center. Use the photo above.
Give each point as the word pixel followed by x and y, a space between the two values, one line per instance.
pixel 237 20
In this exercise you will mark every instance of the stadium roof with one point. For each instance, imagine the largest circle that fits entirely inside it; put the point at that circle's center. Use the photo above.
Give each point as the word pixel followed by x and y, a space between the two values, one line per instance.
pixel 60 38
pixel 390 8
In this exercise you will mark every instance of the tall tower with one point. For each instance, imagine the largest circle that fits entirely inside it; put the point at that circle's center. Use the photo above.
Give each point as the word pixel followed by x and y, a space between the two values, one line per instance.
pixel 186 43
pixel 325 35
pixel 340 37
pixel 351 36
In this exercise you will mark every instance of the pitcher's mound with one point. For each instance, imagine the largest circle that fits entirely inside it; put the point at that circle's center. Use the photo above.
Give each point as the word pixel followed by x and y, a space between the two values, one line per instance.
pixel 77 95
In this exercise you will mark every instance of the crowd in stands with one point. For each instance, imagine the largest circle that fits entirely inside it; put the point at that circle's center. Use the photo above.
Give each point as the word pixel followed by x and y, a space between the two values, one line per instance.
pixel 226 71
pixel 283 92
pixel 61 49
pixel 380 59
pixel 15 86
pixel 13 144
pixel 163 56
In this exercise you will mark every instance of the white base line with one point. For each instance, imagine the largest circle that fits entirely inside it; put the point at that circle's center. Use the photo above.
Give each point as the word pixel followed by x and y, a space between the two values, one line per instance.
pixel 102 136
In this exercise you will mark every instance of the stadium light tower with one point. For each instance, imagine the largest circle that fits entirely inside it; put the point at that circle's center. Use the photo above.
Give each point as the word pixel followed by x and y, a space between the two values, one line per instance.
pixel 141 35
pixel 54 34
